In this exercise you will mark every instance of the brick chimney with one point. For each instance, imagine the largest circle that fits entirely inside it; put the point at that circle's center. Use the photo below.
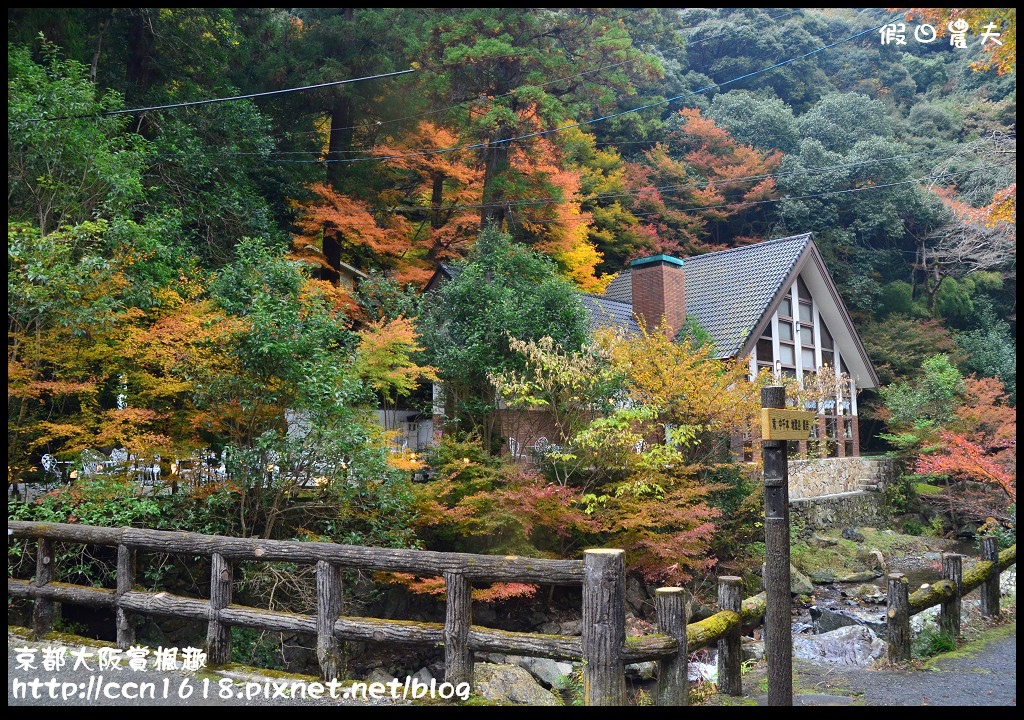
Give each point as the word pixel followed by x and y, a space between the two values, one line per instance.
pixel 659 291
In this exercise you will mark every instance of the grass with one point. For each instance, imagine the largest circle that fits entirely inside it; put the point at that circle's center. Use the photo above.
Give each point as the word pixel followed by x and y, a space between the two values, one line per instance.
pixel 843 556
pixel 932 641
pixel 979 638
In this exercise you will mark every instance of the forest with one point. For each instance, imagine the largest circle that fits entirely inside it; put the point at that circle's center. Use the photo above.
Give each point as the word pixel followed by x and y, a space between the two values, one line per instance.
pixel 187 189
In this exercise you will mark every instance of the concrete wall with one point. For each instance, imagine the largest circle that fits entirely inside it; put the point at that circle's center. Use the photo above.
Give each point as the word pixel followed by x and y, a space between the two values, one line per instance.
pixel 832 476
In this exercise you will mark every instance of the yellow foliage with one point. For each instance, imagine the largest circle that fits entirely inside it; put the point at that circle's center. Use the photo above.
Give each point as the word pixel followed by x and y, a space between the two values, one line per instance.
pixel 684 381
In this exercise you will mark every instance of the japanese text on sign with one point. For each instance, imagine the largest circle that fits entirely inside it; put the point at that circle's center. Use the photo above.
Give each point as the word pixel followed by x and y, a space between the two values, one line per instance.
pixel 786 424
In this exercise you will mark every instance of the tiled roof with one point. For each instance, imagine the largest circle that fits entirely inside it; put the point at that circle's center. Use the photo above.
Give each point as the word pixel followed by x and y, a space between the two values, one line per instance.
pixel 728 291
pixel 602 312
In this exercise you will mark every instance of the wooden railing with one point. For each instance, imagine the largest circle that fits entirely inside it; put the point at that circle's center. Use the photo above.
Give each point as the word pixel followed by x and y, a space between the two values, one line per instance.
pixel 603 647
pixel 946 593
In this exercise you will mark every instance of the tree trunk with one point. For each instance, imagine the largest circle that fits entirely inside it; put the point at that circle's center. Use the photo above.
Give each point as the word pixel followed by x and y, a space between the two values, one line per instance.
pixel 341 139
pixel 497 158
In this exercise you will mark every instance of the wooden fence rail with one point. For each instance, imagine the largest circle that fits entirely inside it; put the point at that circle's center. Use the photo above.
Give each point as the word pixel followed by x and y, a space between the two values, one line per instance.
pixel 946 593
pixel 603 648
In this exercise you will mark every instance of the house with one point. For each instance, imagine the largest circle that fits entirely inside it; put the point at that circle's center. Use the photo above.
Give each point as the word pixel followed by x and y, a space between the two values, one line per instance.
pixel 328 265
pixel 773 303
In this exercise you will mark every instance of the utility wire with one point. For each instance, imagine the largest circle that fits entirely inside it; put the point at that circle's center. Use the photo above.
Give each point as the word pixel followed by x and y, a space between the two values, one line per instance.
pixel 226 99
pixel 794 197
pixel 379 123
pixel 602 118
pixel 667 188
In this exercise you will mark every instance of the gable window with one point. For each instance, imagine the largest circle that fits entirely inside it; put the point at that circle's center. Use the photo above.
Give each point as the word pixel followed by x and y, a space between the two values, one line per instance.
pixel 805 327
pixel 765 351
pixel 828 345
pixel 787 338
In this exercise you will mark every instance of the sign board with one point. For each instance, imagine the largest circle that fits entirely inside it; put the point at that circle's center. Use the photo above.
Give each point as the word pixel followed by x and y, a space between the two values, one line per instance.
pixel 787 424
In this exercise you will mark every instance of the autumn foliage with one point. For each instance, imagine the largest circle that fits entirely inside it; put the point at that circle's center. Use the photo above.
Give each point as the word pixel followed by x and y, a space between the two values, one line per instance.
pixel 964 460
pixel 696 181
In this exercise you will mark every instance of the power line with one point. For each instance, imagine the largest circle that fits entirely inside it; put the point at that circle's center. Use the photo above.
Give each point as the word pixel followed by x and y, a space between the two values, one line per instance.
pixel 602 118
pixel 825 193
pixel 233 97
pixel 809 196
pixel 666 188
pixel 429 112
pixel 380 123
pixel 489 99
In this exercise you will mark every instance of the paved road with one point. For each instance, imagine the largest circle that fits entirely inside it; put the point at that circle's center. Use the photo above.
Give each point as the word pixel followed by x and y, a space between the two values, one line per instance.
pixel 983 672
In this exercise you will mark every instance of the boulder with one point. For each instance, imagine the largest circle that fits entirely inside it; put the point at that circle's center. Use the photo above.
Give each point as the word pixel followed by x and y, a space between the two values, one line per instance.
pixel 379 675
pixel 853 645
pixel 927 617
pixel 799 584
pixel 637 598
pixel 821 541
pixel 510 685
pixel 548 672
pixel 822 577
pixel 852 534
pixel 752 649
pixel 642 670
pixel 572 627
pixel 869 592
pixel 873 559
pixel 825 620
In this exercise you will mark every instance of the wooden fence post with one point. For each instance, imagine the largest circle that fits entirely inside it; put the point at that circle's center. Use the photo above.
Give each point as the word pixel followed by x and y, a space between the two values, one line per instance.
pixel 990 588
pixel 730 681
pixel 604 627
pixel 898 618
pixel 125 579
pixel 218 634
pixel 328 609
pixel 949 611
pixel 778 634
pixel 458 616
pixel 44 610
pixel 673 681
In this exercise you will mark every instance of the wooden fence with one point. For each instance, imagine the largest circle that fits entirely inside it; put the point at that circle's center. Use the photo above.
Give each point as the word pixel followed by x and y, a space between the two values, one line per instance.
pixel 946 593
pixel 603 648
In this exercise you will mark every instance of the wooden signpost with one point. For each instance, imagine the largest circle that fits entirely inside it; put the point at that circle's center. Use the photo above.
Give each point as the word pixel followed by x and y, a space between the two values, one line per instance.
pixel 778 426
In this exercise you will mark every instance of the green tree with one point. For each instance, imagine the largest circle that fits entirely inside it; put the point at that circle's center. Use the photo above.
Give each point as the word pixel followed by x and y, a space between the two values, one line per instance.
pixel 991 349
pixel 501 290
pixel 63 169
pixel 916 411
pixel 765 123
pixel 505 60
pixel 289 399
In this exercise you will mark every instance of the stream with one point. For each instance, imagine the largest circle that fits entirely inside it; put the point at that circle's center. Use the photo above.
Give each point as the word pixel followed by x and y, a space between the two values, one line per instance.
pixel 844 606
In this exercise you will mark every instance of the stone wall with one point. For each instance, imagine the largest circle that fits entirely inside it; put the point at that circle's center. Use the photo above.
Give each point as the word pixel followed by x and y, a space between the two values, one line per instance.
pixel 832 476
pixel 852 509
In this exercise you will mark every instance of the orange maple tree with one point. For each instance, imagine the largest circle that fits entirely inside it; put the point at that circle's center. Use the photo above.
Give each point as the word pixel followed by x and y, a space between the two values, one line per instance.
pixel 699 178
pixel 965 460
